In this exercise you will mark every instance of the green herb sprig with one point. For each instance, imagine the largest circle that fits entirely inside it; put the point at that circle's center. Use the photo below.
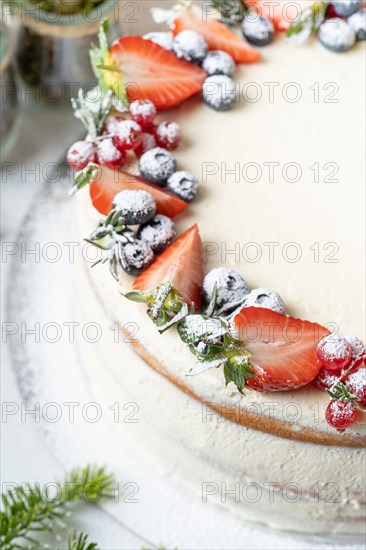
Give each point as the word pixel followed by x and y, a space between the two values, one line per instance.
pixel 27 510
pixel 209 338
pixel 309 21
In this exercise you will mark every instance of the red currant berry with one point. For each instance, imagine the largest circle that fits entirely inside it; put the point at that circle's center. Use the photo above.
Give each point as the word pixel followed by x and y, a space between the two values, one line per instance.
pixel 356 383
pixel 326 378
pixel 127 135
pixel 143 112
pixel 112 124
pixel 358 349
pixel 148 142
pixel 108 155
pixel 168 135
pixel 80 154
pixel 334 352
pixel 340 414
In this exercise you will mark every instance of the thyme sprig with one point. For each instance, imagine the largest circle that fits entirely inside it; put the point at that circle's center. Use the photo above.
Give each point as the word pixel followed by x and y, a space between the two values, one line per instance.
pixel 80 542
pixel 93 112
pixel 209 338
pixel 308 23
pixel 231 12
pixel 340 392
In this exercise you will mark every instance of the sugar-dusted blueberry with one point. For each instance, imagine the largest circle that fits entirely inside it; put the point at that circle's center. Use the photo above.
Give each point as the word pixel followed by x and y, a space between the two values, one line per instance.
pixel 136 257
pixel 183 184
pixel 218 62
pixel 159 232
pixel 263 297
pixel 190 45
pixel 136 206
pixel 157 165
pixel 231 288
pixel 219 92
pixel 336 35
pixel 163 39
pixel 345 8
pixel 258 30
pixel 358 23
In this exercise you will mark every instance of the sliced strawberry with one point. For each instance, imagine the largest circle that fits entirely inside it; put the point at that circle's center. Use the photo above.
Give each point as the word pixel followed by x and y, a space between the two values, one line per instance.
pixel 109 182
pixel 151 72
pixel 180 263
pixel 217 35
pixel 283 348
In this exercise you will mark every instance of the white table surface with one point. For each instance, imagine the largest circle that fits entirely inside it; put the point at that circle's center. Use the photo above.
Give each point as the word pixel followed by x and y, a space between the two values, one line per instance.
pixel 45 135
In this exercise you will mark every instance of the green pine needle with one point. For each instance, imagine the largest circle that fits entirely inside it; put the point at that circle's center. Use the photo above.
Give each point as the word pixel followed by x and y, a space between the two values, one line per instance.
pixel 80 542
pixel 27 509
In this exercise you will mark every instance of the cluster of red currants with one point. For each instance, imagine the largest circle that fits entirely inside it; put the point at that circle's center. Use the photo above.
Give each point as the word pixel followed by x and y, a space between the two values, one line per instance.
pixel 122 136
pixel 343 374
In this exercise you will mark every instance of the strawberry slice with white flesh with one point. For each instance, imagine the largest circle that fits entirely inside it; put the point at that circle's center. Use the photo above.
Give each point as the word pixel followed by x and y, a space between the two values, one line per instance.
pixel 282 348
pixel 106 183
pixel 181 264
pixel 147 71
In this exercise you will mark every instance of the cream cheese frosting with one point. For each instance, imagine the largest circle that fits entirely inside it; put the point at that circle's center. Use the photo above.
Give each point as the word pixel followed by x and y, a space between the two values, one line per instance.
pixel 282 202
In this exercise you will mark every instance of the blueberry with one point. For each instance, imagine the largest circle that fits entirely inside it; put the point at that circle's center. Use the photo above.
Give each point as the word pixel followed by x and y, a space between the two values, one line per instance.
pixel 163 39
pixel 263 297
pixel 218 62
pixel 346 7
pixel 190 45
pixel 158 233
pixel 336 35
pixel 183 184
pixel 136 206
pixel 219 92
pixel 157 165
pixel 136 257
pixel 258 30
pixel 358 23
pixel 231 288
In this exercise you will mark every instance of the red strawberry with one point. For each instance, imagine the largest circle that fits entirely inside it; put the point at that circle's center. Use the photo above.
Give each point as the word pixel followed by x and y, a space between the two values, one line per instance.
pixel 109 182
pixel 151 72
pixel 217 35
pixel 181 263
pixel 283 348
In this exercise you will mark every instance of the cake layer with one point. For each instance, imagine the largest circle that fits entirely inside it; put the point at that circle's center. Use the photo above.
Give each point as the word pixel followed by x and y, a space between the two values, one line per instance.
pixel 286 483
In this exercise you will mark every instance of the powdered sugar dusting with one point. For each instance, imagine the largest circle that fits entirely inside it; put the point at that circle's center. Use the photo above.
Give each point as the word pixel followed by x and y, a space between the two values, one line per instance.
pixel 125 128
pixel 190 46
pixel 336 34
pixel 163 39
pixel 139 201
pixel 334 347
pixel 108 150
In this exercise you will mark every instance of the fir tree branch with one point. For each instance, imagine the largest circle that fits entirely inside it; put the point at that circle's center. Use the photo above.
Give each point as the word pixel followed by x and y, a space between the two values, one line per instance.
pixel 27 509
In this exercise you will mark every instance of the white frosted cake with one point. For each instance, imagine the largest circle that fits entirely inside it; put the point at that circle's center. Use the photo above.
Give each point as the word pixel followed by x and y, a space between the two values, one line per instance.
pixel 281 201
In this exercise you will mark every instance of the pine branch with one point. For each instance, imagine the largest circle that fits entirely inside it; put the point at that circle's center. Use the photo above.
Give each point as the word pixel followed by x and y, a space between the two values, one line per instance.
pixel 27 509
pixel 80 542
